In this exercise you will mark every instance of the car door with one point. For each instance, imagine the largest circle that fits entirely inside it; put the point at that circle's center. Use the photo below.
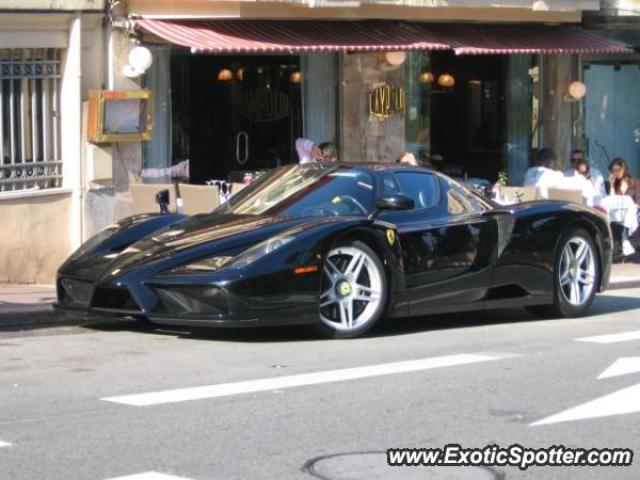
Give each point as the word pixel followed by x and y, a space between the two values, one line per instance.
pixel 447 242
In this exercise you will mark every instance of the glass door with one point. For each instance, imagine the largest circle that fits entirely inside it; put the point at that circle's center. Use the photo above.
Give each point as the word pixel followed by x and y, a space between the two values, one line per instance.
pixel 612 114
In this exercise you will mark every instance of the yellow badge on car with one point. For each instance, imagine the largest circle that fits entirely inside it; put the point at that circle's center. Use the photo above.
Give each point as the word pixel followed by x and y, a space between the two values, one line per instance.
pixel 391 236
pixel 345 289
pixel 336 200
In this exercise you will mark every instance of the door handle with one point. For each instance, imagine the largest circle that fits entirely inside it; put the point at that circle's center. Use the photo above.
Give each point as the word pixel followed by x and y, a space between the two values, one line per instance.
pixel 244 135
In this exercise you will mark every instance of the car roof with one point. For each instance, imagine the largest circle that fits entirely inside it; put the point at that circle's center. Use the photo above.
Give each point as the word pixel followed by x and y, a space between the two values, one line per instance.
pixel 386 167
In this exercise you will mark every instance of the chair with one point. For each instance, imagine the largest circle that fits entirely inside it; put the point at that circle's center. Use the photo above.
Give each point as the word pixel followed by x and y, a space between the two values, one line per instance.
pixel 568 195
pixel 143 196
pixel 519 194
pixel 198 198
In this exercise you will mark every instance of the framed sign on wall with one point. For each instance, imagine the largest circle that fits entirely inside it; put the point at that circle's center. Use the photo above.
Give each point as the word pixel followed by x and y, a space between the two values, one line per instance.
pixel 120 116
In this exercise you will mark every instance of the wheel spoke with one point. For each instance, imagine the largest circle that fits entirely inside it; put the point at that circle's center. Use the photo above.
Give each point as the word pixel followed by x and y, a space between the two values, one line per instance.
pixel 327 298
pixel 330 269
pixel 575 293
pixel 355 265
pixel 346 313
pixel 366 293
pixel 569 254
pixel 581 252
pixel 565 278
pixel 585 277
pixel 364 298
pixel 566 258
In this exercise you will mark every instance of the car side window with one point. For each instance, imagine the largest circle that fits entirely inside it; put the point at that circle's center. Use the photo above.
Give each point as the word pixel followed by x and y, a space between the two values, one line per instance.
pixel 389 185
pixel 422 188
pixel 459 199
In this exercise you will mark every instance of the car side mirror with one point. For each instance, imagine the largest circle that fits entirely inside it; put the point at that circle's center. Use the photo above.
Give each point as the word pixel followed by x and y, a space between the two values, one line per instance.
pixel 394 202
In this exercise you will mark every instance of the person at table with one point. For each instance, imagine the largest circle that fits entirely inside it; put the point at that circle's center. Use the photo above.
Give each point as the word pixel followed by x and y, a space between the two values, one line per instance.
pixel 594 175
pixel 407 158
pixel 309 152
pixel 620 181
pixel 580 179
pixel 545 175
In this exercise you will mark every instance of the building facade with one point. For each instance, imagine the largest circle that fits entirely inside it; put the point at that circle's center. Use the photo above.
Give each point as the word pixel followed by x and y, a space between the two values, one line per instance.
pixel 50 57
pixel 471 88
pixel 468 87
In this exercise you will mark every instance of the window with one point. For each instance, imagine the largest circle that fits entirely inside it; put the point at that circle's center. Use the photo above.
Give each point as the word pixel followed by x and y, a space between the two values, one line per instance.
pixel 420 187
pixel 30 119
pixel 461 200
pixel 389 185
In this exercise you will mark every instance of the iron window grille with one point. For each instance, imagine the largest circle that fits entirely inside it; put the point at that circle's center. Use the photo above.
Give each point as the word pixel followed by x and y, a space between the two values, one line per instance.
pixel 30 119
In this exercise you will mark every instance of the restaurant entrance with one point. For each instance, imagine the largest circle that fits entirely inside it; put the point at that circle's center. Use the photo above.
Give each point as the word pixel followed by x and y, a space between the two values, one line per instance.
pixel 233 114
pixel 468 114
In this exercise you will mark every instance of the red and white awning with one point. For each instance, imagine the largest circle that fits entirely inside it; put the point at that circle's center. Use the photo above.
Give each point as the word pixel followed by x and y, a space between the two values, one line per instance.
pixel 508 39
pixel 291 36
pixel 278 36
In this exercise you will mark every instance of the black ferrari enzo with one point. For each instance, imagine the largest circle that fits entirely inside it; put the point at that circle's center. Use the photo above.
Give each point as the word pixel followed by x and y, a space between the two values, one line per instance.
pixel 340 246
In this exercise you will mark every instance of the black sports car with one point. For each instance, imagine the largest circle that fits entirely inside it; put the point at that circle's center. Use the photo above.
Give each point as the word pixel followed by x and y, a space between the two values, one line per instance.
pixel 340 246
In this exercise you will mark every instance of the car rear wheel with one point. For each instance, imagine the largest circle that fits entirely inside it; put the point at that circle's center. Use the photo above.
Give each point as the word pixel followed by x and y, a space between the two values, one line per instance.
pixel 353 292
pixel 576 276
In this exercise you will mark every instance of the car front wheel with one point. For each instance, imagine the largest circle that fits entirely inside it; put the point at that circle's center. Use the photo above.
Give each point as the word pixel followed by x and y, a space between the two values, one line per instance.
pixel 353 291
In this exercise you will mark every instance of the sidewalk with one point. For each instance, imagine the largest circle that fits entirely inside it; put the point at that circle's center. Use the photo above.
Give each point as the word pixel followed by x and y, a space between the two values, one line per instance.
pixel 30 305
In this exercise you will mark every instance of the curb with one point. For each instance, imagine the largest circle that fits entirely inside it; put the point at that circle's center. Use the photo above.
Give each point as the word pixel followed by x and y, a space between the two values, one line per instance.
pixel 36 317
pixel 624 282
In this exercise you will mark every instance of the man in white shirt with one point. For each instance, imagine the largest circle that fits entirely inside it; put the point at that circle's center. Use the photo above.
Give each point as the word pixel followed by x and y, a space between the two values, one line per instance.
pixel 309 152
pixel 545 175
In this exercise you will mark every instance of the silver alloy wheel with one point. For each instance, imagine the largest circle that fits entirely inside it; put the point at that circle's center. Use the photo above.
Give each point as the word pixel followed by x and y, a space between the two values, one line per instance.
pixel 353 291
pixel 577 271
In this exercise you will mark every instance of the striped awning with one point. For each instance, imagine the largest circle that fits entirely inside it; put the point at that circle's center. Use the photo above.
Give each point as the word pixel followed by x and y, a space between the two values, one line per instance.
pixel 507 39
pixel 279 36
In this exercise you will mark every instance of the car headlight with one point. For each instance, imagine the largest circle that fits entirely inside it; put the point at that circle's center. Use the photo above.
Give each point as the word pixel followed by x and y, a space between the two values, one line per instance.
pixel 211 264
pixel 260 250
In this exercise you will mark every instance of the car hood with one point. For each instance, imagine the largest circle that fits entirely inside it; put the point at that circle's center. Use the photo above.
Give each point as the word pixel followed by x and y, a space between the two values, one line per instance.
pixel 201 236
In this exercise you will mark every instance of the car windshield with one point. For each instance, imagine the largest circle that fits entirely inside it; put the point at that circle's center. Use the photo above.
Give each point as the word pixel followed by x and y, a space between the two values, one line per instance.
pixel 306 190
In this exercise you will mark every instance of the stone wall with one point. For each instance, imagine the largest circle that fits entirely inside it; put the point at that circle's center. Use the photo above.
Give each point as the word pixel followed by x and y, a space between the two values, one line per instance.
pixel 365 137
pixel 35 238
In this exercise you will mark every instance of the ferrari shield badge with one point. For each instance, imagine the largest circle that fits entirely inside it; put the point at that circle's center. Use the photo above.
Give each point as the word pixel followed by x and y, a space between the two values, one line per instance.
pixel 391 236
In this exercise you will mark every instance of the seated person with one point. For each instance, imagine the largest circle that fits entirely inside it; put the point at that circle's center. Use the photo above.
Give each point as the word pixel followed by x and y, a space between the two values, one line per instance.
pixel 407 158
pixel 578 179
pixel 620 181
pixel 621 184
pixel 309 152
pixel 545 175
pixel 593 174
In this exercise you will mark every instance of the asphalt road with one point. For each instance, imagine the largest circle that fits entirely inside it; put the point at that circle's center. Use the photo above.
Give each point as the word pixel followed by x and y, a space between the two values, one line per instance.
pixel 73 403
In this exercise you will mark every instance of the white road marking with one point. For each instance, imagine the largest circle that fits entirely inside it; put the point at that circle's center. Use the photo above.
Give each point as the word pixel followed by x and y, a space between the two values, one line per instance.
pixel 149 476
pixel 622 366
pixel 276 383
pixel 623 401
pixel 612 338
pixel 4 444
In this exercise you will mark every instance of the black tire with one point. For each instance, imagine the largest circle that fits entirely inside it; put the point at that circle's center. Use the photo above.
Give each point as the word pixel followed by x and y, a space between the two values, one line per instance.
pixel 329 332
pixel 561 306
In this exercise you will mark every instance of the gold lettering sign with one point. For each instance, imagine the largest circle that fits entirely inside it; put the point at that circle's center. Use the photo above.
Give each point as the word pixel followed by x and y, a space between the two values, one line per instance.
pixel 386 100
pixel 265 105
